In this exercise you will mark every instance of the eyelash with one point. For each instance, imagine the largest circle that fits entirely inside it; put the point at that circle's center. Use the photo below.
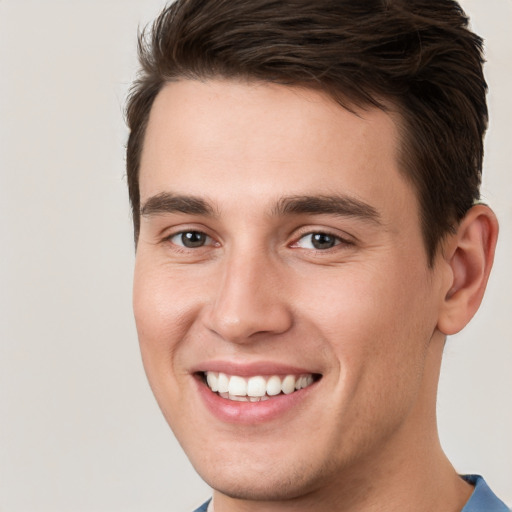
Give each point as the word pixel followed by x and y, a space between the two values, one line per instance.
pixel 338 240
pixel 183 247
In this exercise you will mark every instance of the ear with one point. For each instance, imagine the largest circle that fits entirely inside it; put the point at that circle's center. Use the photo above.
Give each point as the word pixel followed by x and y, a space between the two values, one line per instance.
pixel 468 255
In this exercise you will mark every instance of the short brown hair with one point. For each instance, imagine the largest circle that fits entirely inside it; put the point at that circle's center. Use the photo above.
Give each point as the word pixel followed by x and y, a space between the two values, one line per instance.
pixel 417 55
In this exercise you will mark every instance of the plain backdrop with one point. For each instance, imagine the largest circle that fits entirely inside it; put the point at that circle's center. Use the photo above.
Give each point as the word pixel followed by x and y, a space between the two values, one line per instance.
pixel 79 428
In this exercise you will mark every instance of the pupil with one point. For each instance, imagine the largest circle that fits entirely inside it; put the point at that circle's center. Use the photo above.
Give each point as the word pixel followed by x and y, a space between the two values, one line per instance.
pixel 323 241
pixel 193 239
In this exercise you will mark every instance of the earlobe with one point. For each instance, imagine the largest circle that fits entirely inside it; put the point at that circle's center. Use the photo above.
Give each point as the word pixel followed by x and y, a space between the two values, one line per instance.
pixel 469 256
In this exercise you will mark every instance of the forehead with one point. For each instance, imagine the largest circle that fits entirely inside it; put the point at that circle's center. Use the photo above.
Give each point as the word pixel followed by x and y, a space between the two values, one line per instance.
pixel 217 136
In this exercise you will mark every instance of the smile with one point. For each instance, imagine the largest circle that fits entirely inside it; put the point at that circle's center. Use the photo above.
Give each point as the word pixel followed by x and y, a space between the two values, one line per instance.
pixel 256 388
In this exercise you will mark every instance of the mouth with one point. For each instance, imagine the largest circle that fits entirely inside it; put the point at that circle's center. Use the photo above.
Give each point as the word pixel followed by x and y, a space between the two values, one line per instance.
pixel 256 388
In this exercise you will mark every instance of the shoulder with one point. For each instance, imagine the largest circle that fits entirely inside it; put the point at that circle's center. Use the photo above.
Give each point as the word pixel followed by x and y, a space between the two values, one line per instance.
pixel 482 499
pixel 203 507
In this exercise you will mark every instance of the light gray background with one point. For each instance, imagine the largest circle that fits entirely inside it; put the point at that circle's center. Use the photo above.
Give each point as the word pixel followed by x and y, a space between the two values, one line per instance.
pixel 79 429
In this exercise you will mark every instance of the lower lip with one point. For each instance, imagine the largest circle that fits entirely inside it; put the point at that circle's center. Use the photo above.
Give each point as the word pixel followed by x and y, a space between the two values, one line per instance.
pixel 230 411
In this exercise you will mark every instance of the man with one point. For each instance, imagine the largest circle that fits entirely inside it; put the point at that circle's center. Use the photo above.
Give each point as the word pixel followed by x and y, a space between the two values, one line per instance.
pixel 304 178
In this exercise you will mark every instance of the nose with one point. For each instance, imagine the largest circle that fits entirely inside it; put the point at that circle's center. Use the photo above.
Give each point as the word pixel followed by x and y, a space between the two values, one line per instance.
pixel 249 300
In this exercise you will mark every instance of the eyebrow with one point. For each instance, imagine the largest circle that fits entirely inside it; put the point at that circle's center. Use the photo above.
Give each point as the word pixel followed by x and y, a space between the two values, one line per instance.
pixel 166 202
pixel 338 205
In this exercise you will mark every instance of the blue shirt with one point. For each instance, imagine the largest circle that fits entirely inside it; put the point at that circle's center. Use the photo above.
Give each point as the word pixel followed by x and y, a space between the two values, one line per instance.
pixel 482 499
pixel 203 507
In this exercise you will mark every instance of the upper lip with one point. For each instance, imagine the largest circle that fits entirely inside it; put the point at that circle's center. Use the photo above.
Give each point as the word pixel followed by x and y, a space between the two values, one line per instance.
pixel 251 368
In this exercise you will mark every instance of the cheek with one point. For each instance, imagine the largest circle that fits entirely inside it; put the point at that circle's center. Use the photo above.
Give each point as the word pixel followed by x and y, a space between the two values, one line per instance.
pixel 375 320
pixel 161 320
pixel 163 298
pixel 160 316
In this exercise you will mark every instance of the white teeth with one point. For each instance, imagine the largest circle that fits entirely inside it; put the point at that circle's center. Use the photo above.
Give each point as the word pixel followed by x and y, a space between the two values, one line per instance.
pixel 237 398
pixel 274 386
pixel 222 383
pixel 304 381
pixel 288 385
pixel 237 386
pixel 213 381
pixel 256 388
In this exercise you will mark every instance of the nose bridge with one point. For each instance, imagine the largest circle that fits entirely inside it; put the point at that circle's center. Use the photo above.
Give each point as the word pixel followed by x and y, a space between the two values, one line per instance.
pixel 249 298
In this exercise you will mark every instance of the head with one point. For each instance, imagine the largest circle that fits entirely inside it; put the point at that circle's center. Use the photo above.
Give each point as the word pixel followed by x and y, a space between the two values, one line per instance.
pixel 302 177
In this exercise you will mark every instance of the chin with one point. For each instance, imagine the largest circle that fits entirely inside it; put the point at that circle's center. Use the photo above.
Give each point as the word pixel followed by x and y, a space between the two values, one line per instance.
pixel 268 478
pixel 258 487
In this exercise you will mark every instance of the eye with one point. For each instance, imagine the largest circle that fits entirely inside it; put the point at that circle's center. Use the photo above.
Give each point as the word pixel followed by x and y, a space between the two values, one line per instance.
pixel 191 239
pixel 318 241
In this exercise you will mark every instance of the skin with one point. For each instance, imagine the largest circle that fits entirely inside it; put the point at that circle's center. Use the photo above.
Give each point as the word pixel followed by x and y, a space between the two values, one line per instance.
pixel 368 314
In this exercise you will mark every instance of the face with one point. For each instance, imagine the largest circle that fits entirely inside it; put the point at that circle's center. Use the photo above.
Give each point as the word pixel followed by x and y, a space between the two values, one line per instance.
pixel 285 309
